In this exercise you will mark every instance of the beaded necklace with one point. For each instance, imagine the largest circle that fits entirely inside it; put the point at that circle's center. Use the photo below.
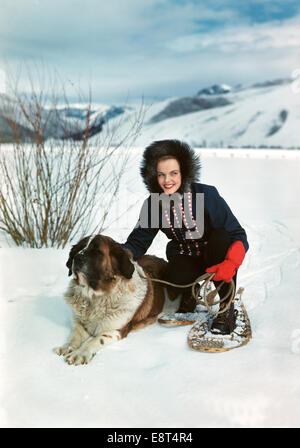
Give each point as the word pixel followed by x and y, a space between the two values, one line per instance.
pixel 182 251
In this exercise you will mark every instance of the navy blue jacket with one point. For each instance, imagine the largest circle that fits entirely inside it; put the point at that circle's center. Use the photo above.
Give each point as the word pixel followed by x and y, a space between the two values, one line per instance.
pixel 217 214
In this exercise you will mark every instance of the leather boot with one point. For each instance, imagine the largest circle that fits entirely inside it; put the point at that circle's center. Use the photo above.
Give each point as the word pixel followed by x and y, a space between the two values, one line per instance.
pixel 188 302
pixel 224 323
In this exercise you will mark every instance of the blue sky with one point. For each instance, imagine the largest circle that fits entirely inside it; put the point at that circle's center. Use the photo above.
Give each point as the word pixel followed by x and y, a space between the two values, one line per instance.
pixel 155 48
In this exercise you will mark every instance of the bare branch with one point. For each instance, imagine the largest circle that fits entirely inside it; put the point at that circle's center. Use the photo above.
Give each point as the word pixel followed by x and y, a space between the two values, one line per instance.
pixel 52 185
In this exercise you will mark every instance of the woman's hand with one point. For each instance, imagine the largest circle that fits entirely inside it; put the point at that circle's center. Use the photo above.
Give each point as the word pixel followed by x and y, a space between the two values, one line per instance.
pixel 223 271
pixel 233 260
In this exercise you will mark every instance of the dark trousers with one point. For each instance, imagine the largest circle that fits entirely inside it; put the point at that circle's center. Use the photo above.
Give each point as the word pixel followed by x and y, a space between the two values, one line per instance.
pixel 183 269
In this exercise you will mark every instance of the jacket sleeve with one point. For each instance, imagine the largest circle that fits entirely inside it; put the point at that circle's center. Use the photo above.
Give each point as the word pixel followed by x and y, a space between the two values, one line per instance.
pixel 141 237
pixel 222 217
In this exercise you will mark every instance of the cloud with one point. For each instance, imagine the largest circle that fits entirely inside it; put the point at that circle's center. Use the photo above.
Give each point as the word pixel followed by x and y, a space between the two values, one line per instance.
pixel 255 37
pixel 155 47
pixel 116 26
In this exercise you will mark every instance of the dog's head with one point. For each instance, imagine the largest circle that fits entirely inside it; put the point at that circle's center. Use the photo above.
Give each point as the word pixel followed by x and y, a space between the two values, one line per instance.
pixel 98 261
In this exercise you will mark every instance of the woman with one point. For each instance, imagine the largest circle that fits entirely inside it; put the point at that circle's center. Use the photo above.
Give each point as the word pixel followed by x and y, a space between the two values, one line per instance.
pixel 219 246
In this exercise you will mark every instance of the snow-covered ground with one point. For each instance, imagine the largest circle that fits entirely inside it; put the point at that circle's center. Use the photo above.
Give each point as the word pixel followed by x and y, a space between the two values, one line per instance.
pixel 152 378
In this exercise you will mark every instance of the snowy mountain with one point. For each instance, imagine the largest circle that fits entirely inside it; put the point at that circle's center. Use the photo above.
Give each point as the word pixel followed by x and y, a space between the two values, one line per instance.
pixel 266 114
pixel 97 112
pixel 63 121
pixel 76 116
pixel 216 89
pixel 187 105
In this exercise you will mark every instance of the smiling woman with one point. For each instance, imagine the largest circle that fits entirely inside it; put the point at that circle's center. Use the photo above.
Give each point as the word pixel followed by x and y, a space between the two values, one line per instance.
pixel 172 166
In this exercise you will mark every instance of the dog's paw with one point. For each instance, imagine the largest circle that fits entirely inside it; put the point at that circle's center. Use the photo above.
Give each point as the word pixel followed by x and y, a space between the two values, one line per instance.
pixel 78 357
pixel 63 350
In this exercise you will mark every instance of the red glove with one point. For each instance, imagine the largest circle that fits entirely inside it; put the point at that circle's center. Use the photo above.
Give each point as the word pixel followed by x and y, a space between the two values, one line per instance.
pixel 233 260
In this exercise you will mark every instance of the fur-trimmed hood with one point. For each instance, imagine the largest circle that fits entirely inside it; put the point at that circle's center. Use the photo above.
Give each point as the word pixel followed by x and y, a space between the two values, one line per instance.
pixel 190 164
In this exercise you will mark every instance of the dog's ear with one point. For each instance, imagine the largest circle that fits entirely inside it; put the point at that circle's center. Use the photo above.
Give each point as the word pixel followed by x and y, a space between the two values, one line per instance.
pixel 69 263
pixel 75 249
pixel 121 261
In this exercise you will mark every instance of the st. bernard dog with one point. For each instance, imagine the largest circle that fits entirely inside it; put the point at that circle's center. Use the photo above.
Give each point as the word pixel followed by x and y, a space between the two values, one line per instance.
pixel 109 295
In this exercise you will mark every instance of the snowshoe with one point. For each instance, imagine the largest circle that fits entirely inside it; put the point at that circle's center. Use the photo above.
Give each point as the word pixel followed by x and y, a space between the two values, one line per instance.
pixel 204 336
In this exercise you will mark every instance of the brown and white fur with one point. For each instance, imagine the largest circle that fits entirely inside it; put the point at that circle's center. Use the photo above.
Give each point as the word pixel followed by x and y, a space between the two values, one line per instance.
pixel 109 295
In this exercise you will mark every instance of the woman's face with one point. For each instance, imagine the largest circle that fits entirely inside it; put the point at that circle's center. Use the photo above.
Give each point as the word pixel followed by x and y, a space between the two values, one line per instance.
pixel 168 175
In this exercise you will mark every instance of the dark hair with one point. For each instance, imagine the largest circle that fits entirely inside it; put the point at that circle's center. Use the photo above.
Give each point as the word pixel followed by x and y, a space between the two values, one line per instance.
pixel 167 157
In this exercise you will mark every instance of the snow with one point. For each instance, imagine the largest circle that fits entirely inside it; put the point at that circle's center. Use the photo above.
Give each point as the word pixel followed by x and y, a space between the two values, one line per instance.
pixel 152 378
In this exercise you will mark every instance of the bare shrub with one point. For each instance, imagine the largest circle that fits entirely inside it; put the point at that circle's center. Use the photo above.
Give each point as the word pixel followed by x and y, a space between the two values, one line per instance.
pixel 56 183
